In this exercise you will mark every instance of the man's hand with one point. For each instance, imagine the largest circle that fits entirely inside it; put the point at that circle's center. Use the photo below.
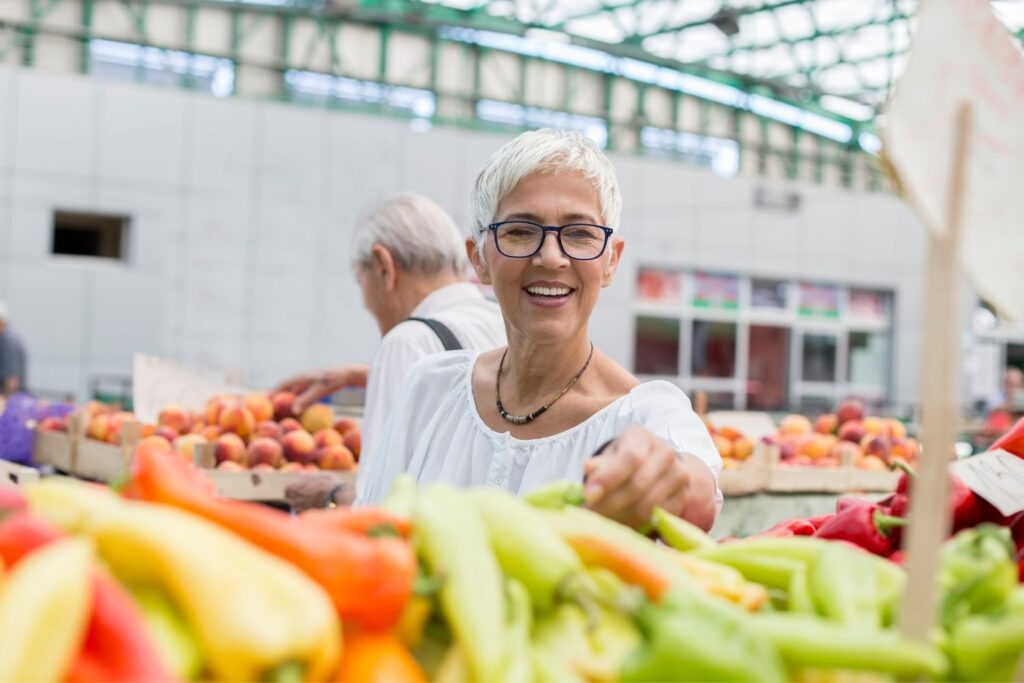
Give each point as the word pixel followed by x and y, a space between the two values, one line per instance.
pixel 311 491
pixel 313 386
pixel 638 472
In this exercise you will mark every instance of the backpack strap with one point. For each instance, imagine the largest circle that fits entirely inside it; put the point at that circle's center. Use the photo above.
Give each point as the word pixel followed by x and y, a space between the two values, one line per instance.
pixel 443 333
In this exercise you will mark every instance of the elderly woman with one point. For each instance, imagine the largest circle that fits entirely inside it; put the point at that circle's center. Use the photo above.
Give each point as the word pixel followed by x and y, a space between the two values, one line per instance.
pixel 549 405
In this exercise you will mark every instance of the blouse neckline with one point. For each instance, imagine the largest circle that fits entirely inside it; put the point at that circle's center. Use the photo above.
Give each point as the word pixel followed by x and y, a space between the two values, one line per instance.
pixel 490 433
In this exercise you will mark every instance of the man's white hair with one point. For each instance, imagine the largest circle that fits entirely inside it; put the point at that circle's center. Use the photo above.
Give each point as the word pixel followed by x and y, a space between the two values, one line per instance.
pixel 420 235
pixel 545 150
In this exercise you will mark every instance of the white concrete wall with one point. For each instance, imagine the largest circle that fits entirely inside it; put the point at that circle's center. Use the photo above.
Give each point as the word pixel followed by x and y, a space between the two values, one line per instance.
pixel 242 215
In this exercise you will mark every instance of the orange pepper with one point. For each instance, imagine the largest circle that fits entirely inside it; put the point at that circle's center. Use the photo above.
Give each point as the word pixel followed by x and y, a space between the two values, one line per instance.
pixel 369 579
pixel 377 658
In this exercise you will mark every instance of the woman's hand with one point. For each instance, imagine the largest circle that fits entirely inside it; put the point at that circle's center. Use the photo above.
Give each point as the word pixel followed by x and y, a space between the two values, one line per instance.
pixel 638 472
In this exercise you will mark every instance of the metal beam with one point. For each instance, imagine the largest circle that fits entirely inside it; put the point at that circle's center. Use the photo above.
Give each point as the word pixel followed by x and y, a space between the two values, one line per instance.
pixel 738 12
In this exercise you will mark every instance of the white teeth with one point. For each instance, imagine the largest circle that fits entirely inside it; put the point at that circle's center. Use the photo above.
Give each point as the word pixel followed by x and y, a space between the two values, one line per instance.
pixel 549 291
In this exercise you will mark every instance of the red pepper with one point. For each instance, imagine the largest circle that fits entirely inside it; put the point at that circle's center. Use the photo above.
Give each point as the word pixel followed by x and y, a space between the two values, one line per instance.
pixel 844 504
pixel 898 557
pixel 12 500
pixel 866 526
pixel 789 527
pixel 368 579
pixel 1012 441
pixel 818 521
pixel 967 508
pixel 117 645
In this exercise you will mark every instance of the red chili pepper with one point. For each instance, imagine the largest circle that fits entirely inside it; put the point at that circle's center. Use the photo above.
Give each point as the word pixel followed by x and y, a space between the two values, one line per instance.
pixel 818 521
pixel 898 557
pixel 867 526
pixel 1012 441
pixel 844 504
pixel 117 645
pixel 789 527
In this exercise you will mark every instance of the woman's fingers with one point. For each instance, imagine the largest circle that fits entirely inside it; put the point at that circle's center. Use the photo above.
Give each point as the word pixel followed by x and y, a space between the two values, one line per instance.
pixel 630 470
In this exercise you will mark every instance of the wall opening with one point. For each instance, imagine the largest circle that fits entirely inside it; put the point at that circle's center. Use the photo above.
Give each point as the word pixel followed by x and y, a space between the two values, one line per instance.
pixel 77 233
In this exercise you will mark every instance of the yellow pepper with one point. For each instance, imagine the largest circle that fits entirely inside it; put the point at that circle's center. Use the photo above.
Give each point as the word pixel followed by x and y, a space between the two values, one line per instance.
pixel 69 503
pixel 44 611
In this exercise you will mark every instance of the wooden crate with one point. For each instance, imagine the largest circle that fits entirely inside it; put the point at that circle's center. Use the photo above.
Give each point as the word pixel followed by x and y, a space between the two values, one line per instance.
pixel 105 462
pixel 56 449
pixel 14 475
pixel 259 485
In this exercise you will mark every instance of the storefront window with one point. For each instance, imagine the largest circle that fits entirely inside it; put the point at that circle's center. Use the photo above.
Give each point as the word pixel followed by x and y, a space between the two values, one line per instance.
pixel 716 291
pixel 656 348
pixel 868 359
pixel 768 368
pixel 818 358
pixel 768 294
pixel 819 301
pixel 714 349
pixel 865 304
pixel 661 286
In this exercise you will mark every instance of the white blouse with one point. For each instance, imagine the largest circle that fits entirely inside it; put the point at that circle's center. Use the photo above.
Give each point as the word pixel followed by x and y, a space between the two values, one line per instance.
pixel 435 434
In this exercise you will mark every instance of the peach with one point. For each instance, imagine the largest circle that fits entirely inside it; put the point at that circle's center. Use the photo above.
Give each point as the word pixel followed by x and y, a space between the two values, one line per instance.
pixel 795 424
pixel 231 466
pixel 872 462
pixel 99 427
pixel 906 449
pixel 290 424
pixel 263 449
pixel 291 467
pixel 94 408
pixel 230 446
pixel 730 433
pixel 157 443
pixel 175 417
pixel 850 410
pixel 344 425
pixel 826 424
pixel 846 452
pixel 299 446
pixel 723 445
pixel 53 424
pixel 817 446
pixel 876 425
pixel 282 402
pixel 878 446
pixel 327 437
pixel 336 457
pixel 310 467
pixel 852 431
pixel 237 419
pixel 186 444
pixel 262 467
pixel 316 417
pixel 270 429
pixel 260 406
pixel 147 430
pixel 216 405
pixel 167 433
pixel 210 432
pixel 896 429
pixel 741 448
pixel 354 442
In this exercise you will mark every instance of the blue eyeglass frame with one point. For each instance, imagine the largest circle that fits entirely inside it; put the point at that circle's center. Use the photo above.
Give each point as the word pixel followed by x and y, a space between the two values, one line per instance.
pixel 557 229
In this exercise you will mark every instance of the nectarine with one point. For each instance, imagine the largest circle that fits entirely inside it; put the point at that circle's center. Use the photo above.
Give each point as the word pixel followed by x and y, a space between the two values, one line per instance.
pixel 186 444
pixel 316 417
pixel 795 424
pixel 327 437
pixel 826 424
pixel 336 457
pixel 290 424
pixel 175 417
pixel 344 425
pixel 260 406
pixel 230 446
pixel 237 419
pixel 299 446
pixel 850 410
pixel 282 402
pixel 354 442
pixel 269 429
pixel 264 450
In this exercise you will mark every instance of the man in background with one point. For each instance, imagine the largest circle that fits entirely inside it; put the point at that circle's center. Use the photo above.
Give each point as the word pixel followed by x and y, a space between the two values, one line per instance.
pixel 410 261
pixel 12 356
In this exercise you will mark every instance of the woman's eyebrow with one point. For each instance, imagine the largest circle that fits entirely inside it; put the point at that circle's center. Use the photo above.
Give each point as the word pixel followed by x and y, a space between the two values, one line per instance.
pixel 566 219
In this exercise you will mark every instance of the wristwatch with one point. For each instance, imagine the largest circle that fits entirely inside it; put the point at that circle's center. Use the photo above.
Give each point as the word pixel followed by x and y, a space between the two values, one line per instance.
pixel 332 495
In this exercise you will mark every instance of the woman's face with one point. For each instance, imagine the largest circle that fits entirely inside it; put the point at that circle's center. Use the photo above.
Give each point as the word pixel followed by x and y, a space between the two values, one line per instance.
pixel 548 297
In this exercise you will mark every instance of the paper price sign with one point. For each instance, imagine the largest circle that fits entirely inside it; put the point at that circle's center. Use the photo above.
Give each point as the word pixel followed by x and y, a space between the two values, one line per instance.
pixel 996 476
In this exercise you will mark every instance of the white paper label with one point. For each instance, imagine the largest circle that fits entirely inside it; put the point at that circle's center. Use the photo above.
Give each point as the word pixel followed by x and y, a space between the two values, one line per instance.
pixel 996 476
pixel 157 382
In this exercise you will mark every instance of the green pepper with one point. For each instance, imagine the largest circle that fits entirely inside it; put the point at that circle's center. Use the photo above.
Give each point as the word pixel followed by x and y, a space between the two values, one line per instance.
pixel 560 643
pixel 989 646
pixel 456 546
pixel 807 642
pixel 557 494
pixel 679 533
pixel 855 588
pixel 518 659
pixel 977 572
pixel 694 638
pixel 526 547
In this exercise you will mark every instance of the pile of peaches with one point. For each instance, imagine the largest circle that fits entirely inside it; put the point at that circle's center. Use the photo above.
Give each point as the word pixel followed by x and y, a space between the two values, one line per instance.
pixel 259 431
pixel 869 442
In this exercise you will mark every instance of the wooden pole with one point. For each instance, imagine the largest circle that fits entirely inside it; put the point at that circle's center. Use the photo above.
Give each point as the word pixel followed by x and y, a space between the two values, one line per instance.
pixel 929 507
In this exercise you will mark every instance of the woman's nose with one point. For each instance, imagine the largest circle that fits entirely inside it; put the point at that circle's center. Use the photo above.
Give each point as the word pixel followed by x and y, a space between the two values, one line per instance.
pixel 550 254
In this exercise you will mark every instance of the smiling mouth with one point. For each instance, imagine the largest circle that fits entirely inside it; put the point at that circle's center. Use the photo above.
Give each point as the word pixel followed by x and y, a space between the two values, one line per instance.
pixel 549 292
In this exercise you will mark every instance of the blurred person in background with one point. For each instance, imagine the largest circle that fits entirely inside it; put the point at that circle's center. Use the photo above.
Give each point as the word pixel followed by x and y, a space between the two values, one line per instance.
pixel 1008 405
pixel 410 261
pixel 13 359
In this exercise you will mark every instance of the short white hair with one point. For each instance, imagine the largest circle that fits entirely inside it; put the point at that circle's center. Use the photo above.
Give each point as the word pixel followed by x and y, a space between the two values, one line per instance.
pixel 545 150
pixel 420 235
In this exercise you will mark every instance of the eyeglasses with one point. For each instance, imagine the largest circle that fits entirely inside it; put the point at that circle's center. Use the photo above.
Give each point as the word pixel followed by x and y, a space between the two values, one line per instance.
pixel 523 239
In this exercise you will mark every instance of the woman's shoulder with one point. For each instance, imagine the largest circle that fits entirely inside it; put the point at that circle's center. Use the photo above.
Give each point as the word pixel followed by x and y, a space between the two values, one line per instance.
pixel 441 368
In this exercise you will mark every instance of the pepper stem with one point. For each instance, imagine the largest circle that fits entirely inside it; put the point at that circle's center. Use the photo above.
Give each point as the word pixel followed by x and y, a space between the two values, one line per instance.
pixel 886 523
pixel 904 466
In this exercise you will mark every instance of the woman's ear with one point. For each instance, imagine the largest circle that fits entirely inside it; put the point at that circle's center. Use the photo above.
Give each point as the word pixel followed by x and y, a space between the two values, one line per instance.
pixel 383 267
pixel 615 249
pixel 478 261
